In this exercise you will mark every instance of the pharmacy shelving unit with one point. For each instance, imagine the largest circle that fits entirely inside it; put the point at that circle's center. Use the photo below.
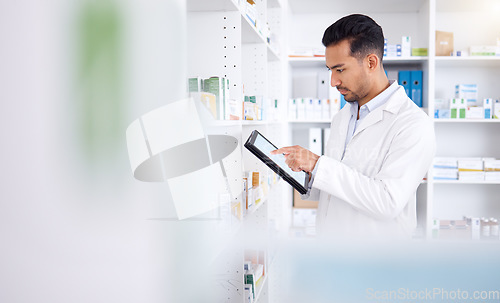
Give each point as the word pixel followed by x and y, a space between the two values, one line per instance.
pixel 420 19
pixel 223 42
pixel 465 138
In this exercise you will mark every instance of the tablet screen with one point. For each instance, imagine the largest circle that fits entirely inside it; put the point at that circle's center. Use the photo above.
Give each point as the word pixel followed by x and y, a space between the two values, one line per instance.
pixel 266 147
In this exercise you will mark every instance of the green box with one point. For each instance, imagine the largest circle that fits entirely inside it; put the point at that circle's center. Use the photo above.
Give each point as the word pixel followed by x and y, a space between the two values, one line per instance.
pixel 419 52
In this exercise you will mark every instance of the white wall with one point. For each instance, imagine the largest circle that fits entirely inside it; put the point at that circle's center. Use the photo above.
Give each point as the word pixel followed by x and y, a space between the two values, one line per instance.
pixel 306 30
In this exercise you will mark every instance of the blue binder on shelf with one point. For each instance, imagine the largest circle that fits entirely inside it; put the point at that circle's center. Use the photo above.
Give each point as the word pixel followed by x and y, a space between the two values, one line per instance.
pixel 404 79
pixel 416 87
pixel 342 101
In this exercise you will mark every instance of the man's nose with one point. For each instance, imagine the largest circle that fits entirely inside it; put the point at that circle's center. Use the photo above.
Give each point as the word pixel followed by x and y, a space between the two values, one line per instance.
pixel 334 81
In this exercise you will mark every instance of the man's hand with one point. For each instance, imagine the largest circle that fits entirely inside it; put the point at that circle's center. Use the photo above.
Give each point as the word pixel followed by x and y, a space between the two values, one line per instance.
pixel 298 158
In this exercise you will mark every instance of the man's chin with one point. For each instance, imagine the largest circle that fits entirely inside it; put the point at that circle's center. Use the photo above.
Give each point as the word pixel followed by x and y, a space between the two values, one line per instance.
pixel 350 100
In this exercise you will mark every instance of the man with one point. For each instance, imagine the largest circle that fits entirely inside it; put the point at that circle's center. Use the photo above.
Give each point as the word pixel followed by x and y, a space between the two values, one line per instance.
pixel 380 147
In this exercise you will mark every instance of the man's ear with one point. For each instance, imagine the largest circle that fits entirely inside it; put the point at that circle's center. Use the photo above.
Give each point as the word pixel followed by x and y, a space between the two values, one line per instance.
pixel 372 61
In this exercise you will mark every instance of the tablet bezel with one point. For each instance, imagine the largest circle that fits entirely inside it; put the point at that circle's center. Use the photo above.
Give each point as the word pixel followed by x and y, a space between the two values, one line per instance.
pixel 249 144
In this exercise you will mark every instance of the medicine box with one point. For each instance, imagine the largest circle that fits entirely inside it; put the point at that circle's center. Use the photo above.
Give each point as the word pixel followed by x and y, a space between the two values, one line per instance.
pixel 492 165
pixel 301 108
pixel 458 107
pixel 496 109
pixel 309 109
pixel 442 113
pixel 419 52
pixel 441 103
pixel 406 46
pixel 476 228
pixel 325 109
pixel 471 175
pixel 483 50
pixel 466 91
pixel 474 112
pixel 470 164
pixel 445 162
pixel 292 109
pixel 318 109
pixel 492 176
pixel 445 174
pixel 488 108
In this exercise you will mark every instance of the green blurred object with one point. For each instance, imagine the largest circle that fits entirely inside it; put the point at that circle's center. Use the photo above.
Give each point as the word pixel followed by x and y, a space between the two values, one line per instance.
pixel 99 80
pixel 419 52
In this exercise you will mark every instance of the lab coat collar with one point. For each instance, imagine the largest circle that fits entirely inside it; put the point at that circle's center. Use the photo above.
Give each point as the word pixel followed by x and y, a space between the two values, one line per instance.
pixel 393 105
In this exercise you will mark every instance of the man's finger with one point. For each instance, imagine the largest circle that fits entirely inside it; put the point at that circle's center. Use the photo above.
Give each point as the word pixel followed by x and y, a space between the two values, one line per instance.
pixel 283 150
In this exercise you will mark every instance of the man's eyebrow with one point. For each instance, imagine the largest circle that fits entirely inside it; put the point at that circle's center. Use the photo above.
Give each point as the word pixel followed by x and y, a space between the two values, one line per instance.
pixel 336 66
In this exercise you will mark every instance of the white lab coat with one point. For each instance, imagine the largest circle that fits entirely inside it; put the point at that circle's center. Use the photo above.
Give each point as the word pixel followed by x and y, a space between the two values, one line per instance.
pixel 371 191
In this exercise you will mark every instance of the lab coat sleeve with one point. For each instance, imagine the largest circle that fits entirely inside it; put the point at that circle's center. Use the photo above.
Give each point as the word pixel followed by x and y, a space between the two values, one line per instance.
pixel 312 193
pixel 386 194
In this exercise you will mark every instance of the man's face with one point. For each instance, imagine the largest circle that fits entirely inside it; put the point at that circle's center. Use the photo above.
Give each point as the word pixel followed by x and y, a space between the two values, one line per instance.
pixel 348 72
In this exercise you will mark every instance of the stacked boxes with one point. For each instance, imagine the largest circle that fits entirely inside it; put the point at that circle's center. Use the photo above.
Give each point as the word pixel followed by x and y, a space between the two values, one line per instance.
pixel 470 169
pixel 442 109
pixel 312 108
pixel 492 170
pixel 458 108
pixel 466 169
pixel 445 168
pixel 467 228
pixel 466 91
pixel 466 105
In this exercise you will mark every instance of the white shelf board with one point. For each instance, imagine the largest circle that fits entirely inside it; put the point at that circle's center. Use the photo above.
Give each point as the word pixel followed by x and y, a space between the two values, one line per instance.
pixel 469 61
pixel 230 123
pixel 272 54
pixel 255 208
pixel 467 120
pixel 463 182
pixel 250 34
pixel 307 61
pixel 211 6
pixel 405 60
pixel 365 7
pixel 260 287
pixel 252 122
pixel 309 121
pixel 225 123
pixel 320 61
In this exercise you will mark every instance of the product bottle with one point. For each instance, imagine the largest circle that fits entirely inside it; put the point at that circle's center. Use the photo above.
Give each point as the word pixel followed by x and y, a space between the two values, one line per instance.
pixel 494 228
pixel 485 229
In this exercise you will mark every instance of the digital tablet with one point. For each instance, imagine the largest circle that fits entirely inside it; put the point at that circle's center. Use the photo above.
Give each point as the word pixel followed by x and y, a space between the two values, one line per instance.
pixel 258 145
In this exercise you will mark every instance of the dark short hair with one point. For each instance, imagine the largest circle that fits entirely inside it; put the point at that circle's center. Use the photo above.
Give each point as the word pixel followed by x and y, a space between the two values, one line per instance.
pixel 363 33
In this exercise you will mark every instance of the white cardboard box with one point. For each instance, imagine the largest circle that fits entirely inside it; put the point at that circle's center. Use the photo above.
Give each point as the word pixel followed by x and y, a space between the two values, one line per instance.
pixel 445 162
pixel 471 175
pixel 470 164
pixel 445 173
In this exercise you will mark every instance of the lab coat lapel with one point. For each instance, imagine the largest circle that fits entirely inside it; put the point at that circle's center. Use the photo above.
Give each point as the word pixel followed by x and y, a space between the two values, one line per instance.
pixel 339 143
pixel 370 119
pixel 392 106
